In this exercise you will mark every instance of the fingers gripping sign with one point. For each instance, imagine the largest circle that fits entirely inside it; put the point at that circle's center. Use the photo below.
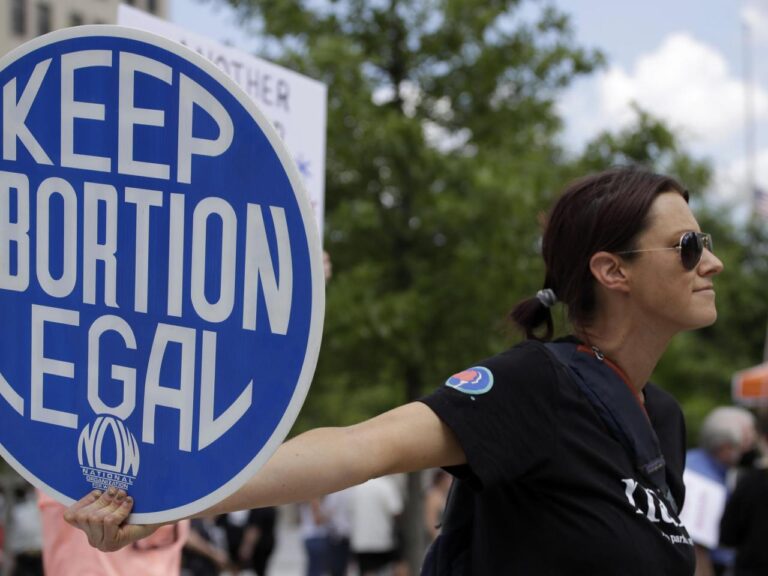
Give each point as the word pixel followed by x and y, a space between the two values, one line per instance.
pixel 105 523
pixel 103 515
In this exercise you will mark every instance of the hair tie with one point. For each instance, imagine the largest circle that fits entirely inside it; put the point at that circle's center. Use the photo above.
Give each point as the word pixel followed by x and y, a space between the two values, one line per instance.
pixel 547 297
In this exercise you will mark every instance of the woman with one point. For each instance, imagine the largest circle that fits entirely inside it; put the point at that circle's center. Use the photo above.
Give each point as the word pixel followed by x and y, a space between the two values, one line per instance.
pixel 554 491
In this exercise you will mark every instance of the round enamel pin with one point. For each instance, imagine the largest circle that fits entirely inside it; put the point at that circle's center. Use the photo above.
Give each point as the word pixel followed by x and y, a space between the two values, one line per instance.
pixel 475 380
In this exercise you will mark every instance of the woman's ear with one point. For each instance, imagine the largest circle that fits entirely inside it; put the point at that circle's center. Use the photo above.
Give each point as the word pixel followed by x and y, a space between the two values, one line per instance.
pixel 608 269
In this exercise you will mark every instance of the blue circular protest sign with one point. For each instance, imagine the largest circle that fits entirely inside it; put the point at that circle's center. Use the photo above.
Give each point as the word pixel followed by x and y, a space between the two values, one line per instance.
pixel 161 282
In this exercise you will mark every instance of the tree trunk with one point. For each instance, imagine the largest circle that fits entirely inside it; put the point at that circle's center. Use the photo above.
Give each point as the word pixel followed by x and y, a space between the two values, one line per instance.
pixel 413 516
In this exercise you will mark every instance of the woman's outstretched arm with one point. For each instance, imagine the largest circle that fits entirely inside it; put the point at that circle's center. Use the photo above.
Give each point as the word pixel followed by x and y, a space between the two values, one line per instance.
pixel 312 464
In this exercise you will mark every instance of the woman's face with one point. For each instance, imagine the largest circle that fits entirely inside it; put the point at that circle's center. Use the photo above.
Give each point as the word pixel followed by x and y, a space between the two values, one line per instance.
pixel 664 292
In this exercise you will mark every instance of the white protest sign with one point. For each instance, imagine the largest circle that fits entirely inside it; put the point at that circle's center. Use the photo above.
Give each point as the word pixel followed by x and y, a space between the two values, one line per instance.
pixel 704 505
pixel 295 104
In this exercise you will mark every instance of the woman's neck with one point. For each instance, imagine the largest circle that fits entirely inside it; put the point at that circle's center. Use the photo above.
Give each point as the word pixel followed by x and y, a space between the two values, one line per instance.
pixel 636 352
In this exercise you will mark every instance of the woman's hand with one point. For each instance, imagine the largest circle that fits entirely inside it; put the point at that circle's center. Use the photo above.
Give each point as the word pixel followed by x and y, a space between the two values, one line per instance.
pixel 102 517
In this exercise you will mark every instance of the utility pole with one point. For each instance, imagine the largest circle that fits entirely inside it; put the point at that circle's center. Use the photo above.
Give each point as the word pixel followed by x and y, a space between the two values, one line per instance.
pixel 750 134
pixel 749 114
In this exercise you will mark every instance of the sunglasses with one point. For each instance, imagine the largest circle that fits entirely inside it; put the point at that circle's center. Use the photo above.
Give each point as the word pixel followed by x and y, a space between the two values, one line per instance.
pixel 691 247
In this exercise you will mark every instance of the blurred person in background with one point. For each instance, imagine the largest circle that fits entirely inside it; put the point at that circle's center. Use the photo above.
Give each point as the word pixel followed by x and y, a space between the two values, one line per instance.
pixel 2 530
pixel 250 537
pixel 726 434
pixel 337 507
pixel 66 551
pixel 205 552
pixel 313 526
pixel 24 543
pixel 376 504
pixel 744 525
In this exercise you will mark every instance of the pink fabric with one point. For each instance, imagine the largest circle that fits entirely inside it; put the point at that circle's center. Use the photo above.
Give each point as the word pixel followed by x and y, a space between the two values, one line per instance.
pixel 66 551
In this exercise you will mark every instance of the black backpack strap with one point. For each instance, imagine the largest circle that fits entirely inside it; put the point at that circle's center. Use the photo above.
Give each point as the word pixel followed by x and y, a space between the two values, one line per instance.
pixel 618 408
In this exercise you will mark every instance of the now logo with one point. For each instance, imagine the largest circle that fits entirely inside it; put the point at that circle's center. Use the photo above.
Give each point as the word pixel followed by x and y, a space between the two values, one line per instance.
pixel 109 446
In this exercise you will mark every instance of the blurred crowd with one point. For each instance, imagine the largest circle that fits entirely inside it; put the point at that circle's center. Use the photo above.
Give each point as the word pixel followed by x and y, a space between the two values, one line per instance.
pixel 726 502
pixel 358 531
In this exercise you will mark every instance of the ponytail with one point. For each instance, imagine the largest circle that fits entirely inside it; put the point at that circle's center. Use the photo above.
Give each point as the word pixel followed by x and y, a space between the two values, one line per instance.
pixel 532 313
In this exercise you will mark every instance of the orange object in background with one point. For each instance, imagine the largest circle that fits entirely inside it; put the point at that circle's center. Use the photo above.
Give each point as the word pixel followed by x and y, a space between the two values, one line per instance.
pixel 750 387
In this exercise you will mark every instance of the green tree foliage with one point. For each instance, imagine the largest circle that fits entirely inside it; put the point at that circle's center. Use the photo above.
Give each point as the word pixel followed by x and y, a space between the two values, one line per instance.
pixel 441 154
pixel 651 143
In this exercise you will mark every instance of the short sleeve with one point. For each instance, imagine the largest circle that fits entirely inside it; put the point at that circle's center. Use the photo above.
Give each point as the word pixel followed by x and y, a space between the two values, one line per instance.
pixel 503 412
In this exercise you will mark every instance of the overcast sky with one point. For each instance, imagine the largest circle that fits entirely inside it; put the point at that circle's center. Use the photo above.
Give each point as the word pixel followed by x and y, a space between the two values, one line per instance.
pixel 682 60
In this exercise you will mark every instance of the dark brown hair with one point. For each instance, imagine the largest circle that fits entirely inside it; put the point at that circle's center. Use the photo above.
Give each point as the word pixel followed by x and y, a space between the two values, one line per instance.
pixel 603 211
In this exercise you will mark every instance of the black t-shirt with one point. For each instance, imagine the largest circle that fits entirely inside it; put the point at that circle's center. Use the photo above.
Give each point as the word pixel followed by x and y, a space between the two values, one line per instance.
pixel 745 524
pixel 556 494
